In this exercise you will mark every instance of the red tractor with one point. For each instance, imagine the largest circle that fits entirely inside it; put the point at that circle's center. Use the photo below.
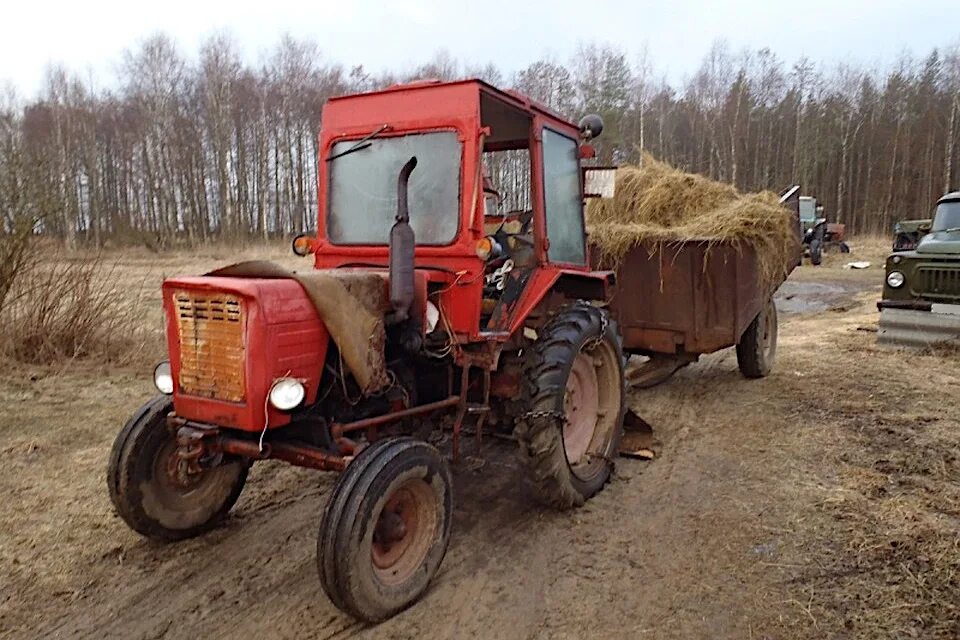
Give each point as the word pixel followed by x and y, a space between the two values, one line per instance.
pixel 429 308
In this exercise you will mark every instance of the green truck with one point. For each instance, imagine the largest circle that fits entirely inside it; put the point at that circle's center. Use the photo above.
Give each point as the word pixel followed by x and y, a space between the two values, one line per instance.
pixel 921 289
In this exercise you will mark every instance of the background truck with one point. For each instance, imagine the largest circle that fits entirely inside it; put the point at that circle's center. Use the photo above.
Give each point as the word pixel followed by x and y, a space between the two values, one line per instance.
pixel 921 289
pixel 907 233
pixel 427 310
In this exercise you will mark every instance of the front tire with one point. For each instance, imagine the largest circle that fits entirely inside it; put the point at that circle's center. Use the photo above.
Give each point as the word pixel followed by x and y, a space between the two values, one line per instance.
pixel 149 485
pixel 385 528
pixel 575 395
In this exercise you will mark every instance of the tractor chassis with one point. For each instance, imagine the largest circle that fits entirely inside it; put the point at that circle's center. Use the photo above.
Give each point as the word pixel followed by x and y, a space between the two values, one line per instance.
pixel 203 445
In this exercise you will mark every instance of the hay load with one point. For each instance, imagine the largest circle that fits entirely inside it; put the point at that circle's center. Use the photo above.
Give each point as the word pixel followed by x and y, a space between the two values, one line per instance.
pixel 656 205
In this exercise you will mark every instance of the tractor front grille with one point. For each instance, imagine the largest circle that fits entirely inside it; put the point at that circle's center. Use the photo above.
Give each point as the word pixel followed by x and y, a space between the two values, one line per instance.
pixel 211 344
pixel 939 283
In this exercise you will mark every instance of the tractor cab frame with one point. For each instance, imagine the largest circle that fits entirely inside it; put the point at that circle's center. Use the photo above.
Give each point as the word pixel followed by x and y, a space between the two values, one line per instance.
pixel 472 128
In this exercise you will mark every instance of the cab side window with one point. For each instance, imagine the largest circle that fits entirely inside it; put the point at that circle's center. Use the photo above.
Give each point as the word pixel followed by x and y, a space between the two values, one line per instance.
pixel 562 196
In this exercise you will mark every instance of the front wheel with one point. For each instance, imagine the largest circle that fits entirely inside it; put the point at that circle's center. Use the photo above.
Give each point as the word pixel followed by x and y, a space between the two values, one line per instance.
pixel 151 487
pixel 575 399
pixel 758 344
pixel 385 529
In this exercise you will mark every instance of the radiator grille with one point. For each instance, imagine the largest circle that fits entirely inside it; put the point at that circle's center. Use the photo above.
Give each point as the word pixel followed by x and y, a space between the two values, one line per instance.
pixel 211 344
pixel 939 283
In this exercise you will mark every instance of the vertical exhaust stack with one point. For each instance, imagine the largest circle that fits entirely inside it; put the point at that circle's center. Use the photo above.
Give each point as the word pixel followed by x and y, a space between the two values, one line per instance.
pixel 402 243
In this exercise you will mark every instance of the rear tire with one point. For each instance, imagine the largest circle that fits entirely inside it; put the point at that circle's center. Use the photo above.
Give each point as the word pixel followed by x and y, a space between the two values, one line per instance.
pixel 816 252
pixel 385 528
pixel 757 348
pixel 153 494
pixel 574 392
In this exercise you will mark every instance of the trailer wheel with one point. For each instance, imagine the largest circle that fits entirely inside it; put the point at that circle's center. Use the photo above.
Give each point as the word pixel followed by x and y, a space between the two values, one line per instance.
pixel 758 344
pixel 385 528
pixel 575 397
pixel 150 487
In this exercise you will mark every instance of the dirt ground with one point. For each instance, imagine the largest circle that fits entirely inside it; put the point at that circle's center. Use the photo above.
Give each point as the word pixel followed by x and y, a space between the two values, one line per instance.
pixel 820 502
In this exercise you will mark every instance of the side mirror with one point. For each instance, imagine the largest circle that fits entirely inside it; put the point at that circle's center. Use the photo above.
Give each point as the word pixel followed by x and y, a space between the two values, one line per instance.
pixel 599 182
pixel 591 126
pixel 302 245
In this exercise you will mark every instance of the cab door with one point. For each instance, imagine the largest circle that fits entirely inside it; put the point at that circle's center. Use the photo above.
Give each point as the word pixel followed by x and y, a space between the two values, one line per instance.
pixel 563 200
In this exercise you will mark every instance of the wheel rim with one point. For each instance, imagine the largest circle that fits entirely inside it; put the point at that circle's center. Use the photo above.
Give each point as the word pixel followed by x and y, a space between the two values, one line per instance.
pixel 180 491
pixel 591 405
pixel 769 332
pixel 405 531
pixel 580 406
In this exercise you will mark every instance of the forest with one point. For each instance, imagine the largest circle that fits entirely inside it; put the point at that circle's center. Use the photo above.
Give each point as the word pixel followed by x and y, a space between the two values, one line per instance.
pixel 185 151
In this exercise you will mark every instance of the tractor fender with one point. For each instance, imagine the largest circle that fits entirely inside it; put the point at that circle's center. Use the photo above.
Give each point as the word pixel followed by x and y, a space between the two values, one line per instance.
pixel 567 284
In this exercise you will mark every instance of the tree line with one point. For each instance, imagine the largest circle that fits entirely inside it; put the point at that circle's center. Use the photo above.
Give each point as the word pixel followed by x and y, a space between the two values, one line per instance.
pixel 180 150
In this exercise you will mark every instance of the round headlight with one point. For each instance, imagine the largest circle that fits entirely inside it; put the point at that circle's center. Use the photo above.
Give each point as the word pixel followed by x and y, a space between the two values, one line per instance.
pixel 162 378
pixel 433 316
pixel 287 393
pixel 895 279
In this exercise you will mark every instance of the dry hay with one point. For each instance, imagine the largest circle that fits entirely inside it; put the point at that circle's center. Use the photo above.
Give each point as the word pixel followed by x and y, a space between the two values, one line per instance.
pixel 659 205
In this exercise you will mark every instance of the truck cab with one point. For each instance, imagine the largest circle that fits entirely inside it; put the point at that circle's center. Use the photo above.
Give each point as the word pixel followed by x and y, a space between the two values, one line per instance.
pixel 921 290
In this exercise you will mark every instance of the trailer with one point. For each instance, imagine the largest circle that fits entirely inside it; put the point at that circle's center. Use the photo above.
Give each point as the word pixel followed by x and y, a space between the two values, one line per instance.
pixel 675 301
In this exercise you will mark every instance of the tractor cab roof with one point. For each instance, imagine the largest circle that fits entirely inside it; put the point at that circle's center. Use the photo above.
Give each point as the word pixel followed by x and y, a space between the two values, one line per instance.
pixel 427 104
pixel 953 196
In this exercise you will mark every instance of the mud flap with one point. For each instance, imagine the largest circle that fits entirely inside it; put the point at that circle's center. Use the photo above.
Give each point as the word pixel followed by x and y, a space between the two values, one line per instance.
pixel 637 441
pixel 917 329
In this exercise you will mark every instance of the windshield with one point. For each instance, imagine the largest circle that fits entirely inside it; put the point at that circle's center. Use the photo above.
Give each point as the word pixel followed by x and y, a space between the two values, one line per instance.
pixel 363 189
pixel 947 216
pixel 808 209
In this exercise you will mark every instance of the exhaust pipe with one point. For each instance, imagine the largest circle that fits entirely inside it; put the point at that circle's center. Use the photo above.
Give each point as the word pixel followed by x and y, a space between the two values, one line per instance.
pixel 402 244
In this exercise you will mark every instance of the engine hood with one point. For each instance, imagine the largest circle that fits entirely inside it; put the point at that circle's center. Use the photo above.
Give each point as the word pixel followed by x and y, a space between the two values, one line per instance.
pixel 940 243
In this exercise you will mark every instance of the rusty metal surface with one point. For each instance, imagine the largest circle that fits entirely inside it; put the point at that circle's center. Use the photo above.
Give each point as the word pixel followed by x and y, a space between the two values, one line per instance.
pixel 338 430
pixel 686 297
pixel 917 329
pixel 211 330
pixel 201 441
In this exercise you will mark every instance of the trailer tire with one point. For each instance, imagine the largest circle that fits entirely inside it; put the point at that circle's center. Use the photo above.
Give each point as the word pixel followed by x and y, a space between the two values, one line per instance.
pixel 385 528
pixel 153 496
pixel 757 348
pixel 574 391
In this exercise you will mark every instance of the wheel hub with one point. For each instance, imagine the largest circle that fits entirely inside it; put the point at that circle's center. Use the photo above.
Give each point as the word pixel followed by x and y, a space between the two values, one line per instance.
pixel 404 531
pixel 581 407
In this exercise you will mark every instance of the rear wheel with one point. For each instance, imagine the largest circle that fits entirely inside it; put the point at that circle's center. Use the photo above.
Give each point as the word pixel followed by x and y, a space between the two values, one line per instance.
pixel 574 389
pixel 385 529
pixel 151 488
pixel 816 252
pixel 757 348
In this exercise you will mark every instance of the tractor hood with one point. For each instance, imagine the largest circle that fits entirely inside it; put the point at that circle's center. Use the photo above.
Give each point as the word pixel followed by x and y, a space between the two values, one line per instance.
pixel 940 242
pixel 352 305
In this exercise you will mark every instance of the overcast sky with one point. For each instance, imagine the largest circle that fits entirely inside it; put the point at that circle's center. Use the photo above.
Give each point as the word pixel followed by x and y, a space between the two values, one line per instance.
pixel 89 35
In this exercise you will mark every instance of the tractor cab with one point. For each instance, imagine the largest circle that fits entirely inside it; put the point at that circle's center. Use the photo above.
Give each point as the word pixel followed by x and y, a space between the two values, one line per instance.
pixel 495 201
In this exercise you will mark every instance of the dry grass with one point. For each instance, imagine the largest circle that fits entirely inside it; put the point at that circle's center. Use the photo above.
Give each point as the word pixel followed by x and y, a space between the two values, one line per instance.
pixel 73 309
pixel 658 204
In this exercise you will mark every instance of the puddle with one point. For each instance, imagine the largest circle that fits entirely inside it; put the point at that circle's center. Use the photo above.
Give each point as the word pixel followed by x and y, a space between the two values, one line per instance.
pixel 795 297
